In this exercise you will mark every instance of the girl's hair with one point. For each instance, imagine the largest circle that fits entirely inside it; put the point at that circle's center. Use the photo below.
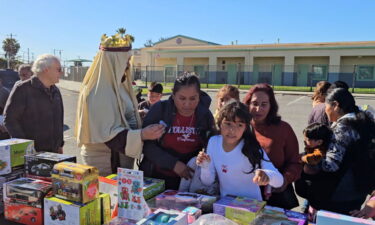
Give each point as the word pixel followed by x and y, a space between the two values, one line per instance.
pixel 272 117
pixel 230 90
pixel 251 149
pixel 318 131
pixel 361 154
pixel 321 90
pixel 186 79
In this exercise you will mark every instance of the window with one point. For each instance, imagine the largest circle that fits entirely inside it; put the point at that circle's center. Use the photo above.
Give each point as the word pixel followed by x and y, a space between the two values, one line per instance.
pixel 319 72
pixel 365 73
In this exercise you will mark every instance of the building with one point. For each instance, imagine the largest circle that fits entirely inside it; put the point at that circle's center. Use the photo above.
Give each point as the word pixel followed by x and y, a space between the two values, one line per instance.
pixel 299 64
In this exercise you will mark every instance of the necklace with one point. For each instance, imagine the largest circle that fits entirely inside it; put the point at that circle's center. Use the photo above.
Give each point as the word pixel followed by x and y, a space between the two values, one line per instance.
pixel 191 120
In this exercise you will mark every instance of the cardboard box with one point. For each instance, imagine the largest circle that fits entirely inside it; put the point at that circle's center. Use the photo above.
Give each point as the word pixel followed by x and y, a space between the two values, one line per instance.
pixel 24 214
pixel 110 186
pixel 40 165
pixel 27 191
pixel 105 208
pixel 275 211
pixel 163 216
pixel 171 199
pixel 192 214
pixel 5 178
pixel 75 182
pixel 331 218
pixel 151 186
pixel 12 152
pixel 62 212
pixel 122 221
pixel 219 205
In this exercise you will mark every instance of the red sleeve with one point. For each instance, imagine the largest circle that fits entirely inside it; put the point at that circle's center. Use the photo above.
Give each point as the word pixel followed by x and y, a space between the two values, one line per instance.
pixel 292 166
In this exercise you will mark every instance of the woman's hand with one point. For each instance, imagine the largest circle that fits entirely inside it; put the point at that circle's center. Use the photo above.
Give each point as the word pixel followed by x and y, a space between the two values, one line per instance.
pixel 152 132
pixel 367 211
pixel 261 178
pixel 182 170
pixel 203 159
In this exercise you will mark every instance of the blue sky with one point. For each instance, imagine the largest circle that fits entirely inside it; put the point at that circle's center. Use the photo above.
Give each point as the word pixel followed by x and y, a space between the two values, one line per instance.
pixel 76 26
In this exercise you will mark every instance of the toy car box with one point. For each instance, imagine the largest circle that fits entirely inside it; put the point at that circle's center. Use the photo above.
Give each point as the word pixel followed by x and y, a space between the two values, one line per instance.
pixel 110 186
pixel 171 199
pixel 121 221
pixel 62 212
pixel 105 208
pixel 151 186
pixel 24 214
pixel 27 191
pixel 192 214
pixel 165 217
pixel 330 218
pixel 75 182
pixel 12 153
pixel 40 165
pixel 241 210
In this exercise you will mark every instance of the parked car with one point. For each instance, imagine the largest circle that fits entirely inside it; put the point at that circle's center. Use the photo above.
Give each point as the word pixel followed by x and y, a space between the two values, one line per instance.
pixel 9 78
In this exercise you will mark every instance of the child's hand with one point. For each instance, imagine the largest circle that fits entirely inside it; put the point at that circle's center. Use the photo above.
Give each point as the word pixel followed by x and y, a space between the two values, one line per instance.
pixel 313 158
pixel 203 160
pixel 261 178
pixel 367 212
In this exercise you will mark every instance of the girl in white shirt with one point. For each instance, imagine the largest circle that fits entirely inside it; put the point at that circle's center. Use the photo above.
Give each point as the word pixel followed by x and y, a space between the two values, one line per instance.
pixel 236 157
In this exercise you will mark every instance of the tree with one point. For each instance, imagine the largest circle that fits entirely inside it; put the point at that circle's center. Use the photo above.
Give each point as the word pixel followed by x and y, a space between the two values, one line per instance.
pixel 148 43
pixel 10 47
pixel 163 38
pixel 121 31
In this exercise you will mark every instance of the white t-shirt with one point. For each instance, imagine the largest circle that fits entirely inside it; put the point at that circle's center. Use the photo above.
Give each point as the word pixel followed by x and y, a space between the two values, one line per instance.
pixel 232 170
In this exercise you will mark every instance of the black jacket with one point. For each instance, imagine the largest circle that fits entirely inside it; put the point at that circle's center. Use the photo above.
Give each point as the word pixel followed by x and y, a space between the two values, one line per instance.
pixel 165 110
pixel 35 112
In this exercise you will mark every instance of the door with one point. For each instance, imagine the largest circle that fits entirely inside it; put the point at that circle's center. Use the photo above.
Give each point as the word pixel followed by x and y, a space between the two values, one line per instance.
pixel 302 74
pixel 277 71
pixel 255 76
pixel 199 69
pixel 232 73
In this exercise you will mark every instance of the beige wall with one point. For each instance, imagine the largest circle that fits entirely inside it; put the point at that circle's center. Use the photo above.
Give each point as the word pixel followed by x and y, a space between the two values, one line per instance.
pixel 311 60
pixel 348 62
pixel 195 61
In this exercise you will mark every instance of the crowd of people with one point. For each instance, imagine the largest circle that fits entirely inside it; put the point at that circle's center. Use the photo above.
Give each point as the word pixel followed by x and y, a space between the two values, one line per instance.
pixel 243 149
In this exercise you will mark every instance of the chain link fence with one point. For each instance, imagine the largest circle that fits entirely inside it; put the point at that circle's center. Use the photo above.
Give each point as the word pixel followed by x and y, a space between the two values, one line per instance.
pixel 302 75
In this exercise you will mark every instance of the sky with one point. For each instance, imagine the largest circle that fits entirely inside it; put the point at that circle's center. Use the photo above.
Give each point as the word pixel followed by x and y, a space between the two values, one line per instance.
pixel 75 26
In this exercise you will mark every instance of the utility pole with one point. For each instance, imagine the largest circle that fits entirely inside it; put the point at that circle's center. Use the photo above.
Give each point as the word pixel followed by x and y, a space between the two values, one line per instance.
pixel 57 50
pixel 28 55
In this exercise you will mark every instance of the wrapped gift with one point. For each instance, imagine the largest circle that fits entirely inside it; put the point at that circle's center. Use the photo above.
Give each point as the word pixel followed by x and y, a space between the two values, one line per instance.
pixel 75 182
pixel 22 213
pixel 165 217
pixel 27 191
pixel 171 199
pixel 12 153
pixel 239 209
pixel 61 212
pixel 40 165
pixel 331 218
pixel 151 186
pixel 105 208
pixel 192 213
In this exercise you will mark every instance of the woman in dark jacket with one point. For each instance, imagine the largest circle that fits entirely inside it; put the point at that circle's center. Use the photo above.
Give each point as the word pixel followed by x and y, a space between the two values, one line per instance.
pixel 188 122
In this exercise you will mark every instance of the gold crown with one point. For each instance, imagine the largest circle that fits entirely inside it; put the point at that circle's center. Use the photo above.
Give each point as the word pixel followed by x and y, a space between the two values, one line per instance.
pixel 119 40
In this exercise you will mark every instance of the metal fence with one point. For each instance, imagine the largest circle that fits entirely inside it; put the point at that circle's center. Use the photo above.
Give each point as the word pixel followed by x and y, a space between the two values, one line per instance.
pixel 301 75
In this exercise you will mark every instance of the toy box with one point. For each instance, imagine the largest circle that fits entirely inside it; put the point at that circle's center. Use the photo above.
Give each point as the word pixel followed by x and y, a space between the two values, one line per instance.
pixel 241 210
pixel 330 218
pixel 165 217
pixel 151 186
pixel 279 212
pixel 27 191
pixel 40 165
pixel 109 186
pixel 24 214
pixel 61 212
pixel 105 208
pixel 171 199
pixel 121 221
pixel 192 214
pixel 12 153
pixel 75 182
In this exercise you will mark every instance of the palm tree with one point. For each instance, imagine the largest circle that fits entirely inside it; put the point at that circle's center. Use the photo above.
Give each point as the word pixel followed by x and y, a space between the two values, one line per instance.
pixel 10 47
pixel 121 31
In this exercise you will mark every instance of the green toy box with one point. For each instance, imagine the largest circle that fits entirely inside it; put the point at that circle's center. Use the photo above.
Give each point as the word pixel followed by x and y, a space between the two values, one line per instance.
pixel 62 212
pixel 12 152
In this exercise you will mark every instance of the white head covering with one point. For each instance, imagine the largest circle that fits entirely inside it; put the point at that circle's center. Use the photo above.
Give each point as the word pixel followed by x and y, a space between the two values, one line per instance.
pixel 101 110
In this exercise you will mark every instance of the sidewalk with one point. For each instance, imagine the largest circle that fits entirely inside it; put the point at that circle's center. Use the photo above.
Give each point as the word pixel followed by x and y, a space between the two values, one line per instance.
pixel 75 86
